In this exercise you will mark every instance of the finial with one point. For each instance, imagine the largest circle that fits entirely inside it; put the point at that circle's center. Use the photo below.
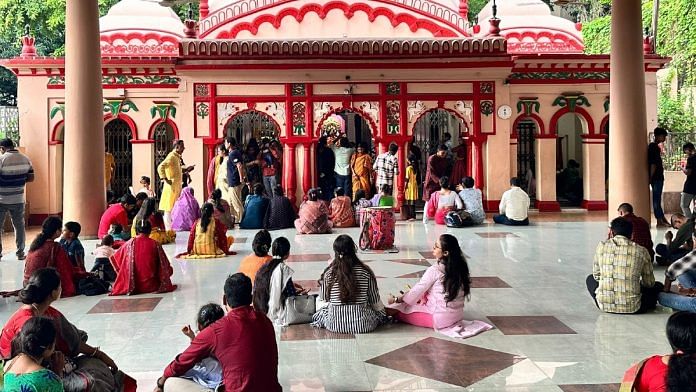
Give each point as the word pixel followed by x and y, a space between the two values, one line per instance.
pixel 648 42
pixel 190 11
pixel 26 29
pixel 28 48
pixel 494 30
pixel 190 24
pixel 495 9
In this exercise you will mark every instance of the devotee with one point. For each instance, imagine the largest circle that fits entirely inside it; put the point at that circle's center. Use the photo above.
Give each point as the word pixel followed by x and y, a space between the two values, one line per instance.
pixel 657 175
pixel 569 182
pixel 148 212
pixel 437 300
pixel 460 160
pixel 34 346
pixel 622 278
pixel 223 213
pixel 171 172
pixel 41 290
pixel 386 167
pixel 146 189
pixel 326 162
pixel 251 264
pixel 141 265
pixel 313 217
pixel 350 288
pixel 514 206
pixel 437 167
pixel 274 285
pixel 417 155
pixel 185 211
pixel 361 202
pixel 102 259
pixel 45 252
pixel 15 171
pixel 280 213
pixel 671 373
pixel 243 342
pixel 270 159
pixel 116 213
pixel 641 228
pixel 684 272
pixel 109 167
pixel 361 168
pixel 442 202
pixel 689 191
pixel 71 244
pixel 208 237
pixel 341 210
pixel 472 199
pixel 676 246
pixel 235 178
pixel 214 168
pixel 411 191
pixel 208 372
pixel 342 166
pixel 255 208
pixel 252 164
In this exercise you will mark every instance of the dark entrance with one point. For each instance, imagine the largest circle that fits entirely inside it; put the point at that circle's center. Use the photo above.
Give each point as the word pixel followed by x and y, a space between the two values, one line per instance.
pixel 357 129
pixel 164 143
pixel 526 158
pixel 117 135
pixel 251 124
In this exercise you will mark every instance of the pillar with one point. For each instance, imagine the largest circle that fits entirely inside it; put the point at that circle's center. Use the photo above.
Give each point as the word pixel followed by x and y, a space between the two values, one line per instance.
pixel 593 181
pixel 84 123
pixel 513 156
pixel 307 168
pixel 627 116
pixel 546 173
pixel 400 180
pixel 290 172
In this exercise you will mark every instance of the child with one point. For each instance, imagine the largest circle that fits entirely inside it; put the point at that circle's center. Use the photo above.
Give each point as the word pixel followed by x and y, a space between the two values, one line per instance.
pixel 208 372
pixel 116 232
pixel 385 198
pixel 411 194
pixel 72 245
pixel 102 262
pixel 145 182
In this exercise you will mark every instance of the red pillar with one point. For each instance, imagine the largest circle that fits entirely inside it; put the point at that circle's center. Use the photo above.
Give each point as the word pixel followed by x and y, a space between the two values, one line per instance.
pixel 290 172
pixel 307 168
pixel 478 148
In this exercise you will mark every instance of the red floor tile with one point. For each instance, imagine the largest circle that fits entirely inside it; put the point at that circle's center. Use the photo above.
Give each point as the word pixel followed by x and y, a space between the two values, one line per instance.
pixel 428 255
pixel 418 275
pixel 309 257
pixel 530 325
pixel 590 387
pixel 488 282
pixel 307 332
pixel 125 305
pixel 422 262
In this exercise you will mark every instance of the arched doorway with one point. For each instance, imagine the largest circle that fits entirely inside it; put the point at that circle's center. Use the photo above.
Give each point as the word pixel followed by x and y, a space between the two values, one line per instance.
pixel 358 129
pixel 117 139
pixel 163 135
pixel 251 124
pixel 429 131
pixel 527 128
pixel 569 159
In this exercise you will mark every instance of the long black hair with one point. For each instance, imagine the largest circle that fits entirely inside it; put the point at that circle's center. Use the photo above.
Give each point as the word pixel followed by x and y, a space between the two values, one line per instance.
pixel 262 284
pixel 456 269
pixel 148 208
pixel 37 335
pixel 342 269
pixel 262 243
pixel 49 227
pixel 206 216
pixel 41 284
pixel 681 333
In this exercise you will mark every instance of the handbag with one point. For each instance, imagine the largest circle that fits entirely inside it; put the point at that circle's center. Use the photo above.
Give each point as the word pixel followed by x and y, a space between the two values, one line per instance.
pixel 300 309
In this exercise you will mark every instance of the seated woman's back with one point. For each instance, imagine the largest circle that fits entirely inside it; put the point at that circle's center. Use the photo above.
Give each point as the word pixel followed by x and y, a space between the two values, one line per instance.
pixel 254 209
pixel 362 278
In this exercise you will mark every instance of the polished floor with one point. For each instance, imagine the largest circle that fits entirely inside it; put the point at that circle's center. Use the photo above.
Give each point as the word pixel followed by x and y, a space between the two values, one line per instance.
pixel 527 281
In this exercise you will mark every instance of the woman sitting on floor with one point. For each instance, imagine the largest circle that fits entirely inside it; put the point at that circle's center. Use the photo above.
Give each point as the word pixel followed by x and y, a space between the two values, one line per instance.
pixel 185 210
pixel 361 202
pixel 350 288
pixel 274 284
pixel 222 210
pixel 442 202
pixel 208 237
pixel 251 264
pixel 671 373
pixel 255 208
pixel 148 212
pixel 313 217
pixel 281 213
pixel 45 252
pixel 141 265
pixel 437 301
pixel 384 197
pixel 341 210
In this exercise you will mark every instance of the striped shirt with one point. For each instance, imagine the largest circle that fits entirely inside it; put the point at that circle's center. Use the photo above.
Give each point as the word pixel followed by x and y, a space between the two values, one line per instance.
pixel 15 169
pixel 386 166
pixel 685 264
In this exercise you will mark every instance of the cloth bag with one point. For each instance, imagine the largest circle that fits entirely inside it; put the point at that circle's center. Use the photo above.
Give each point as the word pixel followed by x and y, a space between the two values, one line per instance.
pixel 300 309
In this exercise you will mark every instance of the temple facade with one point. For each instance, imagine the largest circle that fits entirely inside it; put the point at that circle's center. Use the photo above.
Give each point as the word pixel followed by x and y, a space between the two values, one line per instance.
pixel 516 86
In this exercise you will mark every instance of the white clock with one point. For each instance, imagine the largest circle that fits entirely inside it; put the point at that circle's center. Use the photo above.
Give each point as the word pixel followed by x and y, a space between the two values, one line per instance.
pixel 504 112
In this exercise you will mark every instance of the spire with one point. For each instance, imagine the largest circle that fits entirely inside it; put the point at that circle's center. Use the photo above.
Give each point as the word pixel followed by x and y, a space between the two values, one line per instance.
pixel 28 48
pixel 190 23
pixel 494 30
pixel 464 8
pixel 648 42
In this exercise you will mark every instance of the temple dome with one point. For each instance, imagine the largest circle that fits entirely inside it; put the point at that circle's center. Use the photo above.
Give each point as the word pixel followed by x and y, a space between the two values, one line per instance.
pixel 529 27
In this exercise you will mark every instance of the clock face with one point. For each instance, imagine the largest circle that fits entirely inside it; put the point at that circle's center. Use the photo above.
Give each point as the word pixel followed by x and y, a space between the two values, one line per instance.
pixel 504 112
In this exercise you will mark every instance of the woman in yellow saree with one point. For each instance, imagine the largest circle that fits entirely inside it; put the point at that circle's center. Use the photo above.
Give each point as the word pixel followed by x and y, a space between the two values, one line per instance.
pixel 361 166
pixel 208 239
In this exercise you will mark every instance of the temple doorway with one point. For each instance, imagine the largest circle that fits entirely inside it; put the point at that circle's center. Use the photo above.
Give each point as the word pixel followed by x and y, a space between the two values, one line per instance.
pixel 429 131
pixel 357 129
pixel 526 156
pixel 252 124
pixel 117 138
pixel 569 160
pixel 163 135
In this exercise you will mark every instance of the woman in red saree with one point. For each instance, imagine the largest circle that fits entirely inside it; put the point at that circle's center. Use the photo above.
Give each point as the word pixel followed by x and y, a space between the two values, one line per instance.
pixel 142 266
pixel 313 217
pixel 459 169
pixel 436 168
pixel 341 210
pixel 45 252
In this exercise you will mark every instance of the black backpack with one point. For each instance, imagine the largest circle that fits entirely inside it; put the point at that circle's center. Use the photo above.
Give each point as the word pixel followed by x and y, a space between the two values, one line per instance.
pixel 92 285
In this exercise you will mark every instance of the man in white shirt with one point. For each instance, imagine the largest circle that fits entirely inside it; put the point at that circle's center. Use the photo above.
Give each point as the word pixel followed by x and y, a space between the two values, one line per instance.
pixel 514 206
pixel 343 152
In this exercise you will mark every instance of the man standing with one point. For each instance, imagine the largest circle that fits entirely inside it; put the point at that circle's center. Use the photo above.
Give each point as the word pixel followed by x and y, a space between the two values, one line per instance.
pixel 170 171
pixel 109 167
pixel 657 175
pixel 343 153
pixel 386 167
pixel 326 163
pixel 15 172
pixel 689 190
pixel 235 178
pixel 641 228
pixel 622 279
pixel 514 206
pixel 437 167
pixel 243 342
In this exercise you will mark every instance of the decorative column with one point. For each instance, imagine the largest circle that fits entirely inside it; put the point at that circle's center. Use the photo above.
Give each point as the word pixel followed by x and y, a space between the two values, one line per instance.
pixel 401 177
pixel 84 123
pixel 513 155
pixel 307 168
pixel 546 173
pixel 477 161
pixel 594 185
pixel 627 120
pixel 290 172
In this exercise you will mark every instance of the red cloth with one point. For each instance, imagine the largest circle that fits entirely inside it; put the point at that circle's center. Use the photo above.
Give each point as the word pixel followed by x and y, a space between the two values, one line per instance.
pixel 141 267
pixel 641 233
pixel 459 169
pixel 157 222
pixel 15 324
pixel 116 213
pixel 51 254
pixel 653 378
pixel 437 168
pixel 220 238
pixel 244 342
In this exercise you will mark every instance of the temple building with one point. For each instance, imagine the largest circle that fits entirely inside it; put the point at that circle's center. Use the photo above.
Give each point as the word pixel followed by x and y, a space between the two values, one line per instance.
pixel 516 86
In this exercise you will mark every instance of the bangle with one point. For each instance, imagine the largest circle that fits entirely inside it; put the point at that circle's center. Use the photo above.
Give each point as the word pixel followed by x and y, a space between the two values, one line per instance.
pixel 158 383
pixel 94 354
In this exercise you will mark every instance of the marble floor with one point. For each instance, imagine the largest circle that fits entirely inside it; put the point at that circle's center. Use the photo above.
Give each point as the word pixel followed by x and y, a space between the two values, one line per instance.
pixel 527 281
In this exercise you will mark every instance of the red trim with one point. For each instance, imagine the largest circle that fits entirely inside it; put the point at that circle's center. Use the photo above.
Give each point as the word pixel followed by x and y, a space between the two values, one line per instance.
pixel 374 130
pixel 598 205
pixel 117 86
pixel 54 133
pixel 491 206
pixel 558 81
pixel 467 129
pixel 548 206
pixel 131 124
pixel 553 127
pixel 151 132
pixel 604 125
pixel 547 136
pixel 340 65
pixel 143 141
pixel 167 44
pixel 232 117
pixel 538 120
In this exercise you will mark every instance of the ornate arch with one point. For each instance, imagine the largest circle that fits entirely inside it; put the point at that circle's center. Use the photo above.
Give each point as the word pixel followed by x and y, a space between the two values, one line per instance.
pixel 131 124
pixel 58 137
pixel 538 120
pixel 370 121
pixel 553 124
pixel 248 110
pixel 151 132
pixel 451 111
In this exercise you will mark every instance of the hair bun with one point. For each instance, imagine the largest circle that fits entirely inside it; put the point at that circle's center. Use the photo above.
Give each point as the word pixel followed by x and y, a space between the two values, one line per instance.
pixel 28 294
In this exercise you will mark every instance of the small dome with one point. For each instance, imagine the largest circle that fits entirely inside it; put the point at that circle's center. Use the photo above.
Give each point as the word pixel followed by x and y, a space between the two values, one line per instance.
pixel 141 15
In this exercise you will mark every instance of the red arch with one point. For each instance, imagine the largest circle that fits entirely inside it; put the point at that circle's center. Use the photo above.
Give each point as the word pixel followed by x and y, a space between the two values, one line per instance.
pixel 453 112
pixel 604 125
pixel 232 117
pixel 373 125
pixel 538 120
pixel 127 119
pixel 54 133
pixel 151 132
pixel 553 125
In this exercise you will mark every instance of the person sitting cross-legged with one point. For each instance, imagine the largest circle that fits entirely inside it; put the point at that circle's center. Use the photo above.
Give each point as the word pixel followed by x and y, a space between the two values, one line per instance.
pixel 683 271
pixel 641 228
pixel 514 206
pixel 676 246
pixel 622 279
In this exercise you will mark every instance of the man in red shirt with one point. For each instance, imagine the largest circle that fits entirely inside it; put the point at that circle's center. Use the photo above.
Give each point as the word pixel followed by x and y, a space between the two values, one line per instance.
pixel 117 214
pixel 243 342
pixel 641 228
